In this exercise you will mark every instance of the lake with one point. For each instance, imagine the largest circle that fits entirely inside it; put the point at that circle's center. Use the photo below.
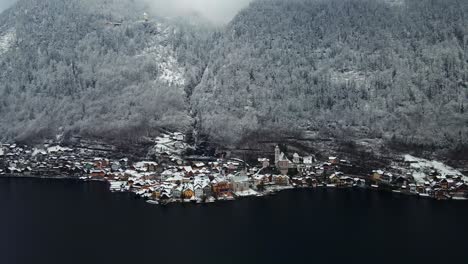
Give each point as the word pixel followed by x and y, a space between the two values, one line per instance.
pixel 64 221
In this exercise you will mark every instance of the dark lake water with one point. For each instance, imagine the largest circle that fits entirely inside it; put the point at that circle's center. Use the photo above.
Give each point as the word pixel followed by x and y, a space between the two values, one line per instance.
pixel 54 221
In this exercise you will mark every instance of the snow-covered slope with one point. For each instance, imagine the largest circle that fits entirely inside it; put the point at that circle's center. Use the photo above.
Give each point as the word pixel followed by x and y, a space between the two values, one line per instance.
pixel 421 168
pixel 6 40
pixel 169 70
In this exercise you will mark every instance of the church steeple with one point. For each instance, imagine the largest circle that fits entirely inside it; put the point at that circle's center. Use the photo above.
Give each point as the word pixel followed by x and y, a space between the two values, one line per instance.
pixel 277 154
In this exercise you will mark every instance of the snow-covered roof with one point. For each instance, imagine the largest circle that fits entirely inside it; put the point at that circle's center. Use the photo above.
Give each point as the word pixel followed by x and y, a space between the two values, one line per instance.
pixel 57 149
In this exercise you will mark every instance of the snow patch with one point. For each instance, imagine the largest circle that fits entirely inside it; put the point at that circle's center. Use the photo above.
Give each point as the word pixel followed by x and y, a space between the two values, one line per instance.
pixel 58 149
pixel 344 77
pixel 38 151
pixel 421 168
pixel 160 51
pixel 7 40
pixel 395 2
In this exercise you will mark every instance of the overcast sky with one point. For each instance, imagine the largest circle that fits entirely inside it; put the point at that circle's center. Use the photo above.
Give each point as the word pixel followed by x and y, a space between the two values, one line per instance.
pixel 4 4
pixel 220 11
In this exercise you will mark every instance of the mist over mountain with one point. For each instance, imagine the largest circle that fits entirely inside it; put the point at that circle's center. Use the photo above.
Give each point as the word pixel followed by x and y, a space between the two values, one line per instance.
pixel 4 4
pixel 217 11
pixel 395 70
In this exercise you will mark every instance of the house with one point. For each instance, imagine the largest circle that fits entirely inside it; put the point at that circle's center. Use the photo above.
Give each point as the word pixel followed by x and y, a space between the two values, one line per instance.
pixel 377 175
pixel 308 160
pixel 444 184
pixel 345 181
pixel 207 190
pixel 165 194
pixel 296 158
pixel 177 192
pixel 400 182
pixel 460 190
pixel 333 160
pixel 188 191
pixel 281 180
pixel 264 162
pixel 221 187
pixel 198 189
pixel 386 178
pixel 240 183
pixel 146 166
pixel 97 173
pixel 115 166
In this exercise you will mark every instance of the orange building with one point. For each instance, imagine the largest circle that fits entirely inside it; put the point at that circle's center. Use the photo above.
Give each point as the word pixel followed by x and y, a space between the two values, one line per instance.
pixel 222 188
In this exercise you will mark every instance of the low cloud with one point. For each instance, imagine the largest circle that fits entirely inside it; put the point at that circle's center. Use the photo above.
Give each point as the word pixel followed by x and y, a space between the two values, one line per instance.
pixel 4 4
pixel 218 11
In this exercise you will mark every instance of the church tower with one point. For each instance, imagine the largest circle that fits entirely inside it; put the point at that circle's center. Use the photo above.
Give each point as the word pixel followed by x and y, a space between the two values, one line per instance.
pixel 277 154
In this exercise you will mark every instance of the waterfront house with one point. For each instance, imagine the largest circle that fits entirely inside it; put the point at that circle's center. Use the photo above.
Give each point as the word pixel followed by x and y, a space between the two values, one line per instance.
pixel 188 191
pixel 345 181
pixel 207 190
pixel 165 195
pixel 198 189
pixel 377 175
pixel 281 180
pixel 240 183
pixel 460 190
pixel 177 192
pixel 386 178
pixel 221 187
pixel 97 173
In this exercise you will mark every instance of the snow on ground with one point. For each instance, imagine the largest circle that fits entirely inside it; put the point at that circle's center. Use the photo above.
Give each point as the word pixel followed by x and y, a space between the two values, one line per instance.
pixel 344 77
pixel 7 40
pixel 420 168
pixel 57 149
pixel 395 2
pixel 246 193
pixel 38 151
pixel 169 70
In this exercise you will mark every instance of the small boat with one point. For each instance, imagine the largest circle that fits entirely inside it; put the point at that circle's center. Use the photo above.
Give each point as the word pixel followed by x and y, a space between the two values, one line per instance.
pixel 396 191
pixel 375 186
pixel 152 202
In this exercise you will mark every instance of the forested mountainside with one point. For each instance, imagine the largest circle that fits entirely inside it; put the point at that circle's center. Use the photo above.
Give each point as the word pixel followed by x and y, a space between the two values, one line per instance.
pixel 393 69
pixel 95 68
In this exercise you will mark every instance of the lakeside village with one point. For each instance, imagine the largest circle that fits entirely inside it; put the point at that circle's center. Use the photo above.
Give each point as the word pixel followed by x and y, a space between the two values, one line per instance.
pixel 172 177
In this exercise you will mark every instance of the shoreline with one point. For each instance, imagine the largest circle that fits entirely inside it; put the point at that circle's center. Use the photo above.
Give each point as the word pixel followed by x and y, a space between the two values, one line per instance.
pixel 267 193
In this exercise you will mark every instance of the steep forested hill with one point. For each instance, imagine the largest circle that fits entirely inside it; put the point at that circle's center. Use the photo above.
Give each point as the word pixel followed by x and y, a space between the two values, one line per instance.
pixel 396 69
pixel 95 68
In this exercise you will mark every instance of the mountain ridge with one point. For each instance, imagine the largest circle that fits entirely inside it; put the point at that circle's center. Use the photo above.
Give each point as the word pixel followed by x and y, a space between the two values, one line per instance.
pixel 348 68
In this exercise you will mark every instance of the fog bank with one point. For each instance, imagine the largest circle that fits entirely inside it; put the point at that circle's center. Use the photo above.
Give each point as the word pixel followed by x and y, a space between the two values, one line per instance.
pixel 218 11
